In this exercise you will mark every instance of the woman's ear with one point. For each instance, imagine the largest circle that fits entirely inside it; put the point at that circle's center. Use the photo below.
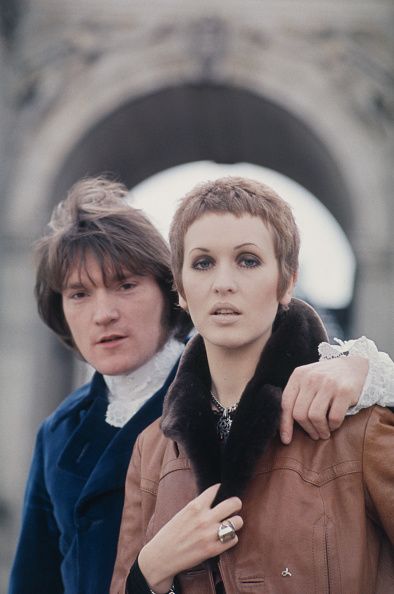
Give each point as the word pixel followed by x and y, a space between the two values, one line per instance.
pixel 288 294
pixel 182 302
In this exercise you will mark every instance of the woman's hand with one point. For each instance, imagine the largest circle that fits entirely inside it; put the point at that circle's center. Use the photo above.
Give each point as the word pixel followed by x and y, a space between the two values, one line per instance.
pixel 188 539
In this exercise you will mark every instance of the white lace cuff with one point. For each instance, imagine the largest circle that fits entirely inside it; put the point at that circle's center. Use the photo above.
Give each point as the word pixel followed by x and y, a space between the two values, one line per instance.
pixel 379 384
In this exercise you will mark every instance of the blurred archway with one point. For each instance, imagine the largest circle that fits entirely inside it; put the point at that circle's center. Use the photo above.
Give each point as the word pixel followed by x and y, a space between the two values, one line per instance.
pixel 207 122
pixel 215 123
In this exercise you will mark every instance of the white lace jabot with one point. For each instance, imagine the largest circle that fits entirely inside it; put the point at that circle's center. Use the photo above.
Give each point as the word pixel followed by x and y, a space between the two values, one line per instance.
pixel 127 393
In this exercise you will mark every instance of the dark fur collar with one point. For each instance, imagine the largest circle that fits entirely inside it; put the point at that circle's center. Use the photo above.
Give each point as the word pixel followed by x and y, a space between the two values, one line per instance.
pixel 188 419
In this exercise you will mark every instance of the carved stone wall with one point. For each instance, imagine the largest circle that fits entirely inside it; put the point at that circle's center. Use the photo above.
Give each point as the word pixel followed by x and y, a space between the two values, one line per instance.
pixel 68 66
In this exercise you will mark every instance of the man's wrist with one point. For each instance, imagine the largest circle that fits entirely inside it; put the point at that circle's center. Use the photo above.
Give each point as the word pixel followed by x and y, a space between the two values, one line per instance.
pixel 378 387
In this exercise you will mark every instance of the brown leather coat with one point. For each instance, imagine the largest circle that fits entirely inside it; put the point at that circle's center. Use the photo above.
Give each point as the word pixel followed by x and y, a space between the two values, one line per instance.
pixel 318 516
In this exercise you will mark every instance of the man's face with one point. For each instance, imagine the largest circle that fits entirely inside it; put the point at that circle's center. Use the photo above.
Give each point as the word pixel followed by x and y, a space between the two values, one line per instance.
pixel 116 328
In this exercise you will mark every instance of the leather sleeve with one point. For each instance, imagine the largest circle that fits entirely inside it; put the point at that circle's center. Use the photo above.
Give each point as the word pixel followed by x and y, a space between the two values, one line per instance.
pixel 131 529
pixel 136 583
pixel 378 467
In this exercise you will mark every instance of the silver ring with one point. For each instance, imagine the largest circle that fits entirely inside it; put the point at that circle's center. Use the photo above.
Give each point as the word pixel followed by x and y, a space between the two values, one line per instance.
pixel 226 531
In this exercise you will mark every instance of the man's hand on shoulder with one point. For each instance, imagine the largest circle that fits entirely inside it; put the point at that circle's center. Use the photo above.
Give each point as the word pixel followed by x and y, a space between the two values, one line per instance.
pixel 318 395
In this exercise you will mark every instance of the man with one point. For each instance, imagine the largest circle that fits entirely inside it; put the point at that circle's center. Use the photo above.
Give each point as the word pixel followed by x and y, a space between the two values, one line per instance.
pixel 104 286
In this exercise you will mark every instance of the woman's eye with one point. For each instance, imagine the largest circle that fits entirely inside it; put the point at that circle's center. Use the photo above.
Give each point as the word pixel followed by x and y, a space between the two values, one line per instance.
pixel 202 264
pixel 249 261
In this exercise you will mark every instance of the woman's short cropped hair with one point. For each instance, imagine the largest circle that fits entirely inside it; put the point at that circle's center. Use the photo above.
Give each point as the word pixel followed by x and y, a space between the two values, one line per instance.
pixel 95 219
pixel 237 195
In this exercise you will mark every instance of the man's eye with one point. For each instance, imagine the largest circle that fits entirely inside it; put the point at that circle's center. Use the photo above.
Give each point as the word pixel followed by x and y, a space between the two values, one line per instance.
pixel 78 295
pixel 202 264
pixel 127 286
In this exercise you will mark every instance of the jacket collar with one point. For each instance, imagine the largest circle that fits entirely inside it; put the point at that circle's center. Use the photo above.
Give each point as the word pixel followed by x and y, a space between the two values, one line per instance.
pixel 188 419
pixel 95 451
pixel 81 399
pixel 110 471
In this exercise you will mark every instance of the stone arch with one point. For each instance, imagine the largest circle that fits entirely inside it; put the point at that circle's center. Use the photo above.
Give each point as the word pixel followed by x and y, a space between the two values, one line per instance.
pixel 193 122
pixel 225 124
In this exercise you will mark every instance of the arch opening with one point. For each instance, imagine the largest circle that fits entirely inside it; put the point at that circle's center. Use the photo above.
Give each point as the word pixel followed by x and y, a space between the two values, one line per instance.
pixel 216 123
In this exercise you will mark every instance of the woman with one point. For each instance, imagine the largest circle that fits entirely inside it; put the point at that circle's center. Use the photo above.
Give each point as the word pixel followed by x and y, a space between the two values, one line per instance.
pixel 308 517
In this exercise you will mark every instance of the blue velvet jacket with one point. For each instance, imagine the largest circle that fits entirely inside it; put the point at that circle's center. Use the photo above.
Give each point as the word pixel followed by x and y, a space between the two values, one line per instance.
pixel 74 495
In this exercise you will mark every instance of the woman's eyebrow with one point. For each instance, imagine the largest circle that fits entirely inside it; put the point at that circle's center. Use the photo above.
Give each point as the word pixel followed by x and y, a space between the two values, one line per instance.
pixel 241 245
pixel 201 249
pixel 236 247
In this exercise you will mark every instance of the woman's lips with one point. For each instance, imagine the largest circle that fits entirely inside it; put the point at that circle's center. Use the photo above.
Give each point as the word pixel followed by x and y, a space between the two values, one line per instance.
pixel 225 315
pixel 224 309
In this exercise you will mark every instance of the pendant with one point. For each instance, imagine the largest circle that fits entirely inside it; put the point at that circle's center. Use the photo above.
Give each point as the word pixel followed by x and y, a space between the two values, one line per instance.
pixel 224 426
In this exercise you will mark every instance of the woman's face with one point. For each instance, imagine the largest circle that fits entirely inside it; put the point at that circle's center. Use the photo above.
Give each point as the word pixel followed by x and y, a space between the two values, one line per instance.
pixel 230 280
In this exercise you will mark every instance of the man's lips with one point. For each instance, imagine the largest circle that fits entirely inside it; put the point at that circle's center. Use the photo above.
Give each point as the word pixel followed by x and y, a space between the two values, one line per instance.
pixel 111 339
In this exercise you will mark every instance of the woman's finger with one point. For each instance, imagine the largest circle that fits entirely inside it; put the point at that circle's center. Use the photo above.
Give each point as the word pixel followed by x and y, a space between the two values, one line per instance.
pixel 226 535
pixel 206 498
pixel 235 522
pixel 226 508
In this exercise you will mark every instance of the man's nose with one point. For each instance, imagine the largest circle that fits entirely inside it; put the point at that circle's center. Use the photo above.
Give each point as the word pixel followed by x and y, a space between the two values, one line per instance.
pixel 105 310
